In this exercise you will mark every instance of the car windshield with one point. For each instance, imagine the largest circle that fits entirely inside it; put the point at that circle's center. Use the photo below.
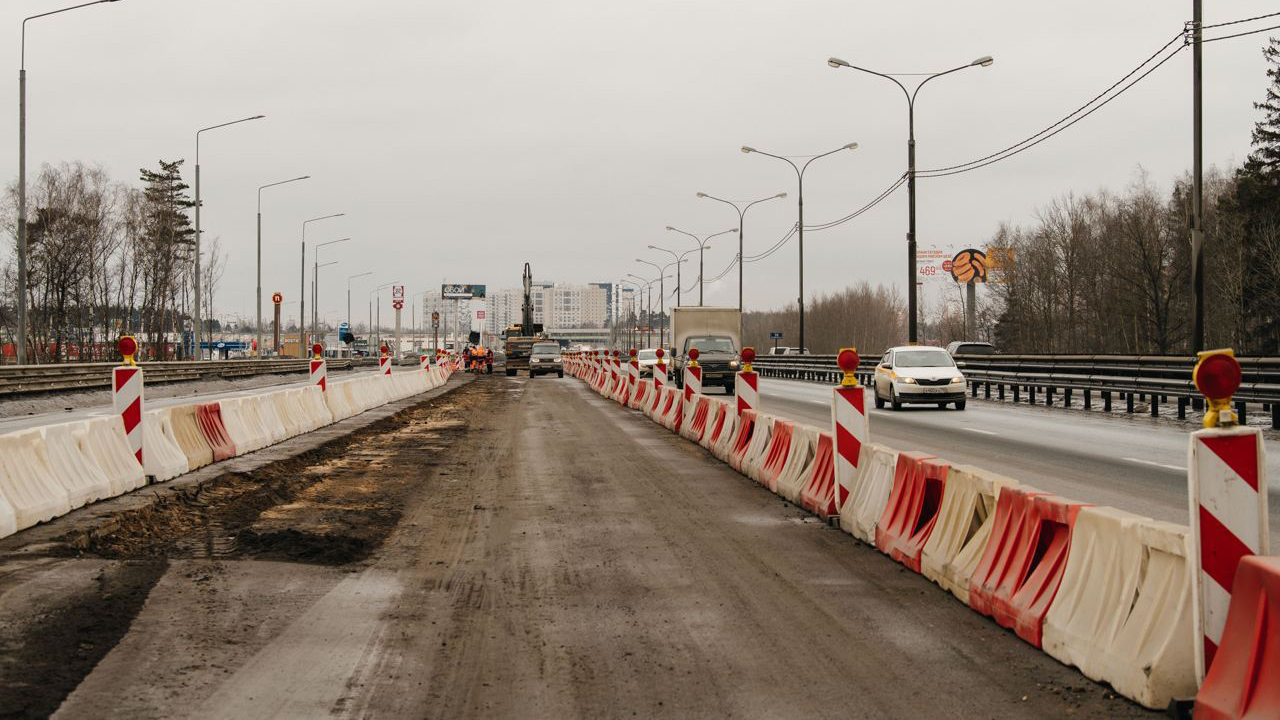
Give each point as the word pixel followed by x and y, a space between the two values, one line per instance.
pixel 922 358
pixel 710 343
pixel 975 349
pixel 647 355
pixel 547 348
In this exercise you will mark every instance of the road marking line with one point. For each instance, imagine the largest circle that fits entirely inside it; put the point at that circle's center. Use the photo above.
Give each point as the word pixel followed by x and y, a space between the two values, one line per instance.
pixel 1150 462
pixel 984 432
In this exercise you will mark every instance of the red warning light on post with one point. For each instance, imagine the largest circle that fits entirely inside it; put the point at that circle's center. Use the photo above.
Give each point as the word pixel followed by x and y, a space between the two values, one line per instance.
pixel 317 349
pixel 848 360
pixel 127 346
pixel 385 349
pixel 748 355
pixel 693 354
pixel 1217 375
pixel 659 353
pixel 631 352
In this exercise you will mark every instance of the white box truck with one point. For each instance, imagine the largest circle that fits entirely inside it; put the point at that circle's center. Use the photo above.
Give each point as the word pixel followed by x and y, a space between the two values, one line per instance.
pixel 715 332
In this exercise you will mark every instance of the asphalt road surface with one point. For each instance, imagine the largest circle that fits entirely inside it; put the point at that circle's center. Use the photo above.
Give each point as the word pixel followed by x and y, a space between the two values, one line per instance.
pixel 515 548
pixel 1131 462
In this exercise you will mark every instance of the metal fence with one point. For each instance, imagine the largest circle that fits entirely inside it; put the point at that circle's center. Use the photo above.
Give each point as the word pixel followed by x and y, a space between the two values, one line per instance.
pixel 1151 379
pixel 23 379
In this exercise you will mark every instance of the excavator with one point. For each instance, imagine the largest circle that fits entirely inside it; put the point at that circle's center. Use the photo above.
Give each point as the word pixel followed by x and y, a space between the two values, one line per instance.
pixel 519 338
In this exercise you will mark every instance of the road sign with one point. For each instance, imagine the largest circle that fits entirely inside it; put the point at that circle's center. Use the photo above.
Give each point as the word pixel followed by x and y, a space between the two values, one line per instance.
pixel 435 320
pixel 479 314
pixel 452 291
pixel 397 304
pixel 277 298
pixel 397 292
pixel 775 335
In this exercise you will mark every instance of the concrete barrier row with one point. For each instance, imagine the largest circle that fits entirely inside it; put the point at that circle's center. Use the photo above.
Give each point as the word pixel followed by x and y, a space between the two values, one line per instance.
pixel 1095 587
pixel 48 471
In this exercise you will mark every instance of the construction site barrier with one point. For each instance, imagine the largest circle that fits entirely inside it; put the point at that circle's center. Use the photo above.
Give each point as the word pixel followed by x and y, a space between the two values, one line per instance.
pixel 722 444
pixel 1122 613
pixel 819 493
pixel 639 397
pixel 1242 680
pixel 696 425
pixel 79 475
pixel 761 436
pixel 742 439
pixel 209 418
pixel 715 423
pixel 8 518
pixel 1018 576
pixel 963 526
pixel 766 470
pixel 795 472
pixel 186 429
pixel 25 482
pixel 672 410
pixel 908 519
pixel 313 405
pixel 866 504
pixel 164 459
pixel 278 419
pixel 104 441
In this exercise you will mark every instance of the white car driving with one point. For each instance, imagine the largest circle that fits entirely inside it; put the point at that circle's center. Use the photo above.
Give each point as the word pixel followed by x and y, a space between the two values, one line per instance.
pixel 917 374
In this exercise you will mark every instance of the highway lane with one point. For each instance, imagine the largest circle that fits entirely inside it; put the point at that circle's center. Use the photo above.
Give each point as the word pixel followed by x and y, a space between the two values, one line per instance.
pixel 1129 462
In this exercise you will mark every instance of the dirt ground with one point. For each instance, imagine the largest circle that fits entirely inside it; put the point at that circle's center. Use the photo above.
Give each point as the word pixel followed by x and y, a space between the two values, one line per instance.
pixel 514 548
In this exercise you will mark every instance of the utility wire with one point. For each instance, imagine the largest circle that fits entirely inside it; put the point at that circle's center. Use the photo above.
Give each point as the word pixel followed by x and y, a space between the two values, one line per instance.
pixel 1240 34
pixel 1237 22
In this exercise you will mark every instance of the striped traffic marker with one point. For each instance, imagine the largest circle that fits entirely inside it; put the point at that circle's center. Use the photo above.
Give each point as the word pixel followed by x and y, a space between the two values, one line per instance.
pixel 1228 498
pixel 849 424
pixel 319 368
pixel 746 384
pixel 692 379
pixel 384 361
pixel 126 394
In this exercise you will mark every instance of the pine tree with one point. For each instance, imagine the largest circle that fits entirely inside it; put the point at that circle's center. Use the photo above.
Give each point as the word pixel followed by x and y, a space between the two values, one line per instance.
pixel 1265 159
pixel 1257 205
pixel 168 241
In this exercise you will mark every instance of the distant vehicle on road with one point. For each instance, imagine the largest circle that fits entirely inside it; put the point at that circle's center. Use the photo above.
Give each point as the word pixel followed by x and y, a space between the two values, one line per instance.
pixel 647 359
pixel 782 350
pixel 714 331
pixel 545 358
pixel 918 374
pixel 964 347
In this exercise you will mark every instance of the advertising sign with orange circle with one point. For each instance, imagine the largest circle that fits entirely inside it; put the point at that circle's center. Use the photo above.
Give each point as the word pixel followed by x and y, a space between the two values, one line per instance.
pixel 969 266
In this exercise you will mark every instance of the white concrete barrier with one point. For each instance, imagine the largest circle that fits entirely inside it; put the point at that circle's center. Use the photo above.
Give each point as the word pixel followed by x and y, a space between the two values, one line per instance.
pixel 964 523
pixel 799 466
pixel 724 443
pixel 1123 610
pixel 164 459
pixel 759 446
pixel 83 480
pixel 862 510
pixel 277 421
pixel 27 484
pixel 103 441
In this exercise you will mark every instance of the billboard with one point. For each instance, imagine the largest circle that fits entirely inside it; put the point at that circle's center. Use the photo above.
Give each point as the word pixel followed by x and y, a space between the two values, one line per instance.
pixel 453 291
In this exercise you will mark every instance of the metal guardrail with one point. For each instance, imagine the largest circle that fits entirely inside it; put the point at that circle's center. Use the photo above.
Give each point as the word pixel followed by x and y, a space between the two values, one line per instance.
pixel 25 379
pixel 1153 379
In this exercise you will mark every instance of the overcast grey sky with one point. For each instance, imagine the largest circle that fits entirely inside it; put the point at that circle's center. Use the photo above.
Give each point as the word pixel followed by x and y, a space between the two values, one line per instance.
pixel 463 138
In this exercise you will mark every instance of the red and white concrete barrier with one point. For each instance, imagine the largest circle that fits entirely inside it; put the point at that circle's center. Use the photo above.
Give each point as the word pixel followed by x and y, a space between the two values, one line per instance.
pixel 692 380
pixel 126 394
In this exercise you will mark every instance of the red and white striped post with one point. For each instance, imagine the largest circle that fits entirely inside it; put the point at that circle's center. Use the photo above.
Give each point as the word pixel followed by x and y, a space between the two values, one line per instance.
pixel 1228 498
pixel 319 368
pixel 126 394
pixel 384 361
pixel 424 362
pixel 849 424
pixel 692 380
pixel 633 377
pixel 746 383
pixel 659 380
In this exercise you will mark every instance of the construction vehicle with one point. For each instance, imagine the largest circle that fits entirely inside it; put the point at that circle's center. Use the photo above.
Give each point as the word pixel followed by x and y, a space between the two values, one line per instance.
pixel 714 331
pixel 519 338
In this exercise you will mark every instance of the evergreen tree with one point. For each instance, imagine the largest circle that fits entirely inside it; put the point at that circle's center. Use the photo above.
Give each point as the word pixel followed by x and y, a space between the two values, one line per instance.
pixel 1256 204
pixel 169 241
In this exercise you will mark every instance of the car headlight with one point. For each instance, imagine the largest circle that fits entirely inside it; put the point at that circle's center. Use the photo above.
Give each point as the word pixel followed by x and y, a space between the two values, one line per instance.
pixel 908 381
pixel 556 360
pixel 733 364
pixel 957 381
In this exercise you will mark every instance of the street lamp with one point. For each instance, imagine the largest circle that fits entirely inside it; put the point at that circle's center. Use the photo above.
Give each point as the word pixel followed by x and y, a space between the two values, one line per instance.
pixel 349 279
pixel 315 299
pixel 984 61
pixel 662 291
pixel 260 189
pixel 302 280
pixel 199 319
pixel 315 279
pixel 22 177
pixel 378 289
pixel 413 312
pixel 702 245
pixel 648 305
pixel 742 222
pixel 800 222
pixel 678 260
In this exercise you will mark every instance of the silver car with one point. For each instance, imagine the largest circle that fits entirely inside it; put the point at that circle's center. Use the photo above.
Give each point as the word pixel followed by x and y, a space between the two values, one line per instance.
pixel 917 374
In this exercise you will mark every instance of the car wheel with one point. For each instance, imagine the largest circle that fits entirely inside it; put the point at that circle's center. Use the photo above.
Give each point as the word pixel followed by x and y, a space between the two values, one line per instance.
pixel 942 406
pixel 879 400
pixel 511 373
pixel 960 404
pixel 729 389
pixel 897 404
pixel 560 374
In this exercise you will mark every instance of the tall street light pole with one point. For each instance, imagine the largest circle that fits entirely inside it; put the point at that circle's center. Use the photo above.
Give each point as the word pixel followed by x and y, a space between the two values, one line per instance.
pixel 315 280
pixel 349 279
pixel 315 300
pixel 372 292
pixel 260 189
pixel 302 282
pixel 1197 183
pixel 742 224
pixel 199 318
pixel 677 260
pixel 800 169
pixel 21 340
pixel 703 243
pixel 984 61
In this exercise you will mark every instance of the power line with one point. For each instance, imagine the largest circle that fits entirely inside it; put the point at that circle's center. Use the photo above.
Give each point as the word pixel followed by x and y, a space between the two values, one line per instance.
pixel 878 199
pixel 1237 22
pixel 1240 34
